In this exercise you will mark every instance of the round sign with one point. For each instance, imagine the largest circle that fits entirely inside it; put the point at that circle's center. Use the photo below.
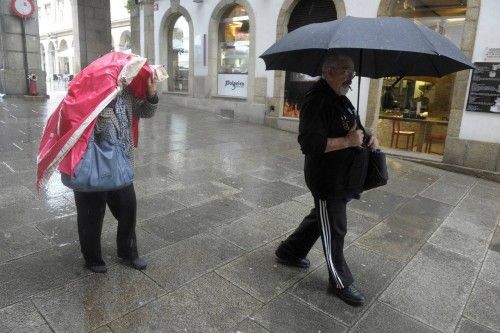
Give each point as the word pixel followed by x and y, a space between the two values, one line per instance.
pixel 23 8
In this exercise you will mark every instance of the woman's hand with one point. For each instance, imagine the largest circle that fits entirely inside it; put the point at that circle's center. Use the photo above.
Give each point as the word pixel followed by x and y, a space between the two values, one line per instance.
pixel 152 84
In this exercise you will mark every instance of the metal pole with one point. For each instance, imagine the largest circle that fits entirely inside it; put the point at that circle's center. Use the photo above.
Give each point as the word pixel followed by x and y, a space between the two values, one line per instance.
pixel 360 67
pixel 25 55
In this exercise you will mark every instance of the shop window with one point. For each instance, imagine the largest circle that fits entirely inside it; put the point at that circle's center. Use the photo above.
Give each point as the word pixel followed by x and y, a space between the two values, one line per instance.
pixel 422 104
pixel 179 56
pixel 297 84
pixel 234 50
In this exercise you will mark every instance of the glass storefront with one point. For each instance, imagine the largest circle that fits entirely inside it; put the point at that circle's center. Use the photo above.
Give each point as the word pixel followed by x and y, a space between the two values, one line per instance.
pixel 179 56
pixel 420 106
pixel 234 50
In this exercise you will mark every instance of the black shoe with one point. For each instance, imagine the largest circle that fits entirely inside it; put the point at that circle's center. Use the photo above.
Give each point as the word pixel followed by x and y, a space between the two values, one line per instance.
pixel 349 294
pixel 287 258
pixel 97 268
pixel 137 263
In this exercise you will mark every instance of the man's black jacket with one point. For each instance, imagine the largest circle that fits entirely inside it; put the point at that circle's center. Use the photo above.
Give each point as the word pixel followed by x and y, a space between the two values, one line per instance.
pixel 337 174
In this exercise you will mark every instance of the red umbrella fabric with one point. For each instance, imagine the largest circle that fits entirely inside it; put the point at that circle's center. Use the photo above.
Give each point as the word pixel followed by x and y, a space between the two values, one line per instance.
pixel 67 130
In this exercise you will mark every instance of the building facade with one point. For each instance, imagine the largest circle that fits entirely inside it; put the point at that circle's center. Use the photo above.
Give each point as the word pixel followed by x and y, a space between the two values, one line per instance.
pixel 57 47
pixel 211 48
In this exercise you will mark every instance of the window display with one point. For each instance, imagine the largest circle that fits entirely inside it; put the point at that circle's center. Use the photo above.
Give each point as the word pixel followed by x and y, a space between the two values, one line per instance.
pixel 234 41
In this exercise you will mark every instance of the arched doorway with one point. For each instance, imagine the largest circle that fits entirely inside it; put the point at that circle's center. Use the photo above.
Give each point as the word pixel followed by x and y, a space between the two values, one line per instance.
pixel 178 55
pixel 297 84
pixel 124 44
pixel 176 50
pixel 440 100
pixel 63 57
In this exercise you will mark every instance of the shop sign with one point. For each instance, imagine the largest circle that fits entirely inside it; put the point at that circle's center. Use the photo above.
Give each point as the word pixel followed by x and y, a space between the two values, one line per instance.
pixel 234 85
pixel 484 92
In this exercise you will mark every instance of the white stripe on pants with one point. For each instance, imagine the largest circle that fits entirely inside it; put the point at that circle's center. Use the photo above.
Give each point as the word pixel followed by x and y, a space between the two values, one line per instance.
pixel 327 244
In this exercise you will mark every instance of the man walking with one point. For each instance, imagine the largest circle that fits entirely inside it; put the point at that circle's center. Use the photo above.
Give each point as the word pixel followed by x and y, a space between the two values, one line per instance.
pixel 330 136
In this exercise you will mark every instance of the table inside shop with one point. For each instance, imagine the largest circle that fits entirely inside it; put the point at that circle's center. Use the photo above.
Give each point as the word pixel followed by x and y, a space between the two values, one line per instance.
pixel 425 126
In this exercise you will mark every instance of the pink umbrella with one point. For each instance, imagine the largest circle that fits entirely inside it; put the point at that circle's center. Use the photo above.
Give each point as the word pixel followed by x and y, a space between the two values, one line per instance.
pixel 68 128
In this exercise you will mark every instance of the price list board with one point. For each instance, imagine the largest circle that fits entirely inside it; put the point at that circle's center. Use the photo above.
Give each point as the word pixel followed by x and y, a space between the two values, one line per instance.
pixel 484 91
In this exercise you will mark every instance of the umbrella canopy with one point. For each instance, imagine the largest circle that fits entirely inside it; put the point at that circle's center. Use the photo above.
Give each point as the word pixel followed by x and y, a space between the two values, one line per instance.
pixel 379 47
pixel 68 128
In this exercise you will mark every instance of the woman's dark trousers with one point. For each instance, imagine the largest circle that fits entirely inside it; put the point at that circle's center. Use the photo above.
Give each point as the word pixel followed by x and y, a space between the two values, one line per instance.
pixel 91 206
pixel 328 219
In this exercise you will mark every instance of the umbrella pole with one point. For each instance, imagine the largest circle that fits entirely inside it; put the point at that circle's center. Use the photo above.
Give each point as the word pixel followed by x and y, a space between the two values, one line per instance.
pixel 359 78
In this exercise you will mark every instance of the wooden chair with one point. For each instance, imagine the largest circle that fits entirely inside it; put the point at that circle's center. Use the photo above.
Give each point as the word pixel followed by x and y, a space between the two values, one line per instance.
pixel 396 132
pixel 433 138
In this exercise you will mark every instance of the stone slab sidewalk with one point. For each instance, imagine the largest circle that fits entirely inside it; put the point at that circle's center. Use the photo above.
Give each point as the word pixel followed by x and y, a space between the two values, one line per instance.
pixel 215 198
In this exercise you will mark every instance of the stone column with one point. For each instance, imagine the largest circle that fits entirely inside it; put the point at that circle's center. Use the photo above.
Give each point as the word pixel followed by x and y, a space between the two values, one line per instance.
pixel 12 66
pixel 92 31
pixel 144 11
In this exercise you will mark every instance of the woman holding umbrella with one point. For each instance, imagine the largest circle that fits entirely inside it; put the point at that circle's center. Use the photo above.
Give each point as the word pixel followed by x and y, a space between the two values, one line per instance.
pixel 101 110
pixel 114 122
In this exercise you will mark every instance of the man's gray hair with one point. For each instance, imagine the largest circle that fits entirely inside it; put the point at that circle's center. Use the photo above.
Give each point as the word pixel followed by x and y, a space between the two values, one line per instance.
pixel 331 60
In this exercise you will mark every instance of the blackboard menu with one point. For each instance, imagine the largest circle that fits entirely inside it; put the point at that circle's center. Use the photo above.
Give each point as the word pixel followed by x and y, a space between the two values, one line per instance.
pixel 484 92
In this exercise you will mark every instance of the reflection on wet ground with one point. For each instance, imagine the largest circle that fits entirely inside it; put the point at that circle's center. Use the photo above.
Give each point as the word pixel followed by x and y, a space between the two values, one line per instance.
pixel 215 197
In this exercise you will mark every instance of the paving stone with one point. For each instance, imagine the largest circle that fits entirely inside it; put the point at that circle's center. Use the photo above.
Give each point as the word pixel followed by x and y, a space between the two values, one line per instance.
pixel 93 301
pixel 259 274
pixel 151 186
pixel 27 276
pixel 495 241
pixel 201 193
pixel 483 305
pixel 253 230
pixel 433 287
pixel 381 318
pixel 146 243
pixel 243 182
pixel 248 326
pixel 357 225
pixel 393 240
pixel 103 329
pixel 446 190
pixel 372 273
pixel 185 261
pixel 208 304
pixel 15 195
pixel 275 174
pixel 272 194
pixel 460 242
pixel 409 183
pixel 291 211
pixel 287 314
pixel 21 241
pixel 306 199
pixel 188 222
pixel 468 326
pixel 152 170
pixel 489 270
pixel 377 204
pixel 22 317
pixel 156 205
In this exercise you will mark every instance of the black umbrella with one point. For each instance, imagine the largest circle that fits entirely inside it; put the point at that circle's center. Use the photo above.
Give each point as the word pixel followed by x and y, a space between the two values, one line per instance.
pixel 387 46
pixel 379 47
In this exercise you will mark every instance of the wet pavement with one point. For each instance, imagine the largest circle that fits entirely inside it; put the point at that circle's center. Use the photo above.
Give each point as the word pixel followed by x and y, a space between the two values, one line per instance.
pixel 215 197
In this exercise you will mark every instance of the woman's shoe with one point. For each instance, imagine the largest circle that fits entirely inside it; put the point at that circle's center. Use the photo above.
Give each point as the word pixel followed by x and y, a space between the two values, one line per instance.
pixel 97 268
pixel 137 263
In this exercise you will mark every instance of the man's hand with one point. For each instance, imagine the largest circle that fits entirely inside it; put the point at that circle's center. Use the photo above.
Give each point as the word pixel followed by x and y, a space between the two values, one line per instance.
pixel 355 137
pixel 373 143
pixel 151 87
